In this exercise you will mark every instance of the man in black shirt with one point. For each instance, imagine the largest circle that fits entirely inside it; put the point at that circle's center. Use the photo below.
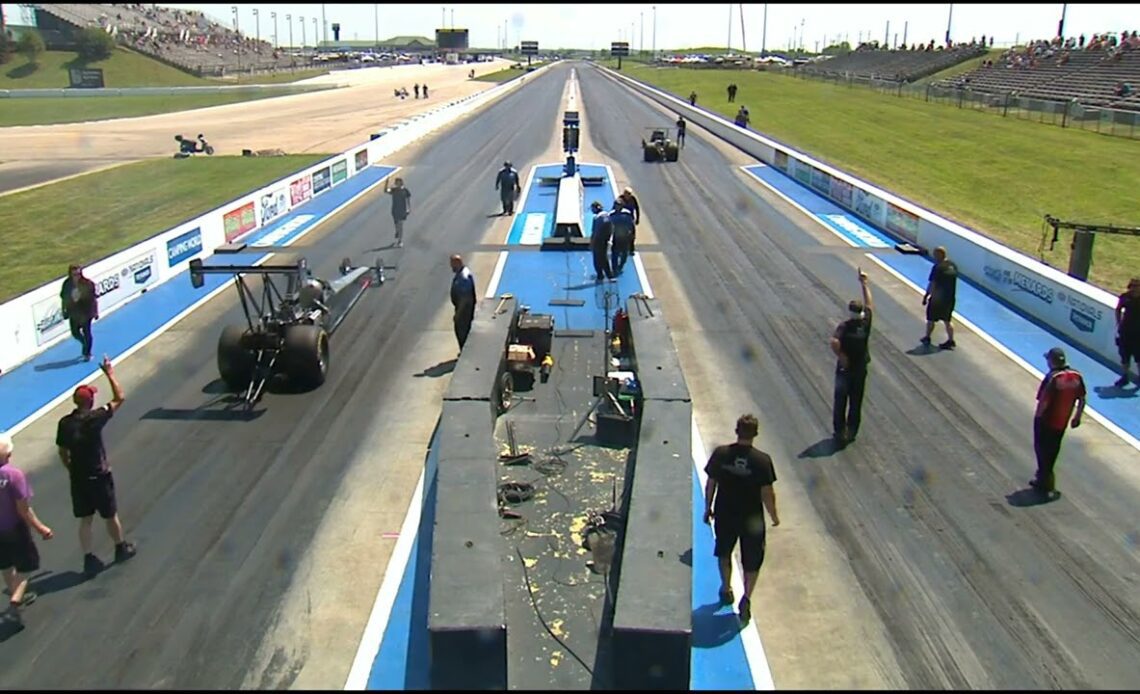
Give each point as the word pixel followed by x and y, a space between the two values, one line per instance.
pixel 80 441
pixel 401 206
pixel 850 343
pixel 507 183
pixel 681 125
pixel 80 306
pixel 1128 328
pixel 941 291
pixel 739 487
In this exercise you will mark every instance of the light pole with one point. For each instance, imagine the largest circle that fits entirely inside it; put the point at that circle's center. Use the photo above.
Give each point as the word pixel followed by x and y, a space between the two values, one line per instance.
pixel 315 34
pixel 376 19
pixel 237 30
pixel 655 32
pixel 304 36
pixel 641 36
pixel 948 21
pixel 453 18
pixel 273 15
pixel 324 23
pixel 764 32
pixel 289 21
pixel 256 25
pixel 442 17
pixel 802 34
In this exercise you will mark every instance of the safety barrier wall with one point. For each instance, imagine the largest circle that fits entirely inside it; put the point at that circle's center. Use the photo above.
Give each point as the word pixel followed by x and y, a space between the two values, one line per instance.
pixel 1076 310
pixel 33 322
pixel 161 91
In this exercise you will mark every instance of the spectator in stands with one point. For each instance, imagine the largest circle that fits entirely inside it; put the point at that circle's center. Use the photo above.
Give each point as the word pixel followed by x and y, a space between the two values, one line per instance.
pixel 1061 389
pixel 80 307
pixel 18 554
pixel 1128 329
pixel 738 490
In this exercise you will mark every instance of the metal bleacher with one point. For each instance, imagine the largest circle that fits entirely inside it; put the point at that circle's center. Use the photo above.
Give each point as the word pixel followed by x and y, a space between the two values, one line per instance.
pixel 898 65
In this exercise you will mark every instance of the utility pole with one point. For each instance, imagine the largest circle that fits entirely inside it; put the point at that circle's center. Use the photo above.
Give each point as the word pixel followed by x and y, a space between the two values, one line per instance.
pixel 256 26
pixel 237 30
pixel 289 21
pixel 948 21
pixel 273 15
pixel 315 34
pixel 655 32
pixel 1061 24
pixel 802 20
pixel 376 20
pixel 324 25
pixel 304 40
pixel 887 35
pixel 906 25
pixel 641 36
pixel 764 33
pixel 743 42
pixel 728 45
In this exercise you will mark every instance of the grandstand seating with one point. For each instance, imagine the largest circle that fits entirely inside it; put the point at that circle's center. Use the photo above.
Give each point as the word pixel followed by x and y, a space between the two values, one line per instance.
pixel 893 65
pixel 1089 77
pixel 184 38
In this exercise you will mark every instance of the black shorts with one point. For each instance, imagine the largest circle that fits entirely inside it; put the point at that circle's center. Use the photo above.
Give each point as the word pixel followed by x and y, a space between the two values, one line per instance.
pixel 93 494
pixel 18 549
pixel 939 311
pixel 750 531
pixel 1129 349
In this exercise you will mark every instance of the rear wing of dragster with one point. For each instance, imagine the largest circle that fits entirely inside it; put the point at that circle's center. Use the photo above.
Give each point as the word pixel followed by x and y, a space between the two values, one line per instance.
pixel 344 291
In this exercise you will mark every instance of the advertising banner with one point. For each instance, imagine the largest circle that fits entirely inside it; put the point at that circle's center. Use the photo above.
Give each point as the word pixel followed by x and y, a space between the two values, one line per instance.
pixel 361 160
pixel 300 190
pixel 121 283
pixel 782 160
pixel 183 247
pixel 240 221
pixel 870 207
pixel 801 171
pixel 842 192
pixel 321 181
pixel 902 223
pixel 339 171
pixel 821 181
pixel 48 317
pixel 273 205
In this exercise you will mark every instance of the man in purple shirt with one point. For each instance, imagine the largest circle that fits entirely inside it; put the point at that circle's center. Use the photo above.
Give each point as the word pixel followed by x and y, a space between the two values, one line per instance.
pixel 18 554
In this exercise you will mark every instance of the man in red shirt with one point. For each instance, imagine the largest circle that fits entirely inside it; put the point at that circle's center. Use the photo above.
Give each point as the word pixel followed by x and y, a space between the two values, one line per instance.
pixel 1061 390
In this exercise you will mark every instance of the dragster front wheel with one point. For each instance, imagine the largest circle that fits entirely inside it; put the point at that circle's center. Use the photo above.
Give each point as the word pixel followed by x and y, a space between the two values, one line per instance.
pixel 235 363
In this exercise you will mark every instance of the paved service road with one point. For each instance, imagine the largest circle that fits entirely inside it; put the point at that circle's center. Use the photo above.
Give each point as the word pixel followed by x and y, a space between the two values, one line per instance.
pixel 946 578
pixel 260 550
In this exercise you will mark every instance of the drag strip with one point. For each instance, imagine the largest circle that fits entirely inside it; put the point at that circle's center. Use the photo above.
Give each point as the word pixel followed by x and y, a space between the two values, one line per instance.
pixel 970 584
pixel 225 510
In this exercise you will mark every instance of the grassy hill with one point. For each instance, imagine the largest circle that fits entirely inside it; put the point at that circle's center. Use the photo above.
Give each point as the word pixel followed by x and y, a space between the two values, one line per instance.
pixel 123 69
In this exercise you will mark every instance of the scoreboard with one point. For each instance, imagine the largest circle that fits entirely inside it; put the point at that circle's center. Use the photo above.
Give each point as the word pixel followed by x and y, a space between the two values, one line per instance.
pixel 451 39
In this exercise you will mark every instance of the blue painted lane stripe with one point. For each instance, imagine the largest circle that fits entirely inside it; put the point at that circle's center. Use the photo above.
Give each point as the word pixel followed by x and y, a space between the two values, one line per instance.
pixel 1021 335
pixel 32 385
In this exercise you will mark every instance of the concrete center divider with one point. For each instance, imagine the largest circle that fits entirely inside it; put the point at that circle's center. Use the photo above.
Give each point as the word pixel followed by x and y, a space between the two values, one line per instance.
pixel 1070 307
pixel 33 322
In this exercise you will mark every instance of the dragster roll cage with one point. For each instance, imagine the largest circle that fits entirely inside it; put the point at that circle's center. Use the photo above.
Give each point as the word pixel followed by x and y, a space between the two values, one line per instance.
pixel 271 296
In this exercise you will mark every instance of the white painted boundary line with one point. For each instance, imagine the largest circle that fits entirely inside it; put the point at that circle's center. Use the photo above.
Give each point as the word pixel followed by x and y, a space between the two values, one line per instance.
pixel 750 634
pixel 992 342
pixel 63 397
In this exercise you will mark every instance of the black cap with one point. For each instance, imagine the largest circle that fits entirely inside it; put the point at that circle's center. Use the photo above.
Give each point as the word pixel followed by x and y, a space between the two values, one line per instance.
pixel 855 306
pixel 1056 354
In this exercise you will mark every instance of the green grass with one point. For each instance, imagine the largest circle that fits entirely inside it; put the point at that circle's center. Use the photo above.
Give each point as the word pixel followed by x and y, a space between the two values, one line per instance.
pixel 123 69
pixel 45 111
pixel 999 176
pixel 114 209
pixel 505 75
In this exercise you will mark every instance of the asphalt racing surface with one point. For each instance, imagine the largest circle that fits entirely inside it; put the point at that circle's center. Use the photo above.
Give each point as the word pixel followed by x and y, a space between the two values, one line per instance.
pixel 973 585
pixel 223 509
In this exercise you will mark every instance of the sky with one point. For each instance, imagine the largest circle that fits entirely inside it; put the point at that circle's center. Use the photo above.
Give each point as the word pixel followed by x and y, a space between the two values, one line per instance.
pixel 594 26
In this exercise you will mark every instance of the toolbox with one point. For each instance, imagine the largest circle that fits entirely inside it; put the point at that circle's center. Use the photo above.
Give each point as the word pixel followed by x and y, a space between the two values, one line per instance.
pixel 536 330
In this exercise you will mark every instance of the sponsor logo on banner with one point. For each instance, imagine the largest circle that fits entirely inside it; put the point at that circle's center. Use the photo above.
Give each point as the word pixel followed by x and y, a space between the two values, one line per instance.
pixel 1017 281
pixel 300 190
pixel 240 221
pixel 821 181
pixel 902 223
pixel 361 160
pixel 1082 314
pixel 321 181
pixel 339 171
pixel 841 192
pixel 183 247
pixel 281 233
pixel 801 171
pixel 48 317
pixel 781 160
pixel 116 286
pixel 869 207
pixel 273 205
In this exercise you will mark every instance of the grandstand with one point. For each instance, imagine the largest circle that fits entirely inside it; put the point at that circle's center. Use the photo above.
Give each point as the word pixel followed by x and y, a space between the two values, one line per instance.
pixel 900 65
pixel 185 39
pixel 1104 73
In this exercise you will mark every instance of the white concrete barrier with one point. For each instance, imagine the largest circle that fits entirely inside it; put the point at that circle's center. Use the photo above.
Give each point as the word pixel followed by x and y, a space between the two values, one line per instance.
pixel 1075 309
pixel 33 322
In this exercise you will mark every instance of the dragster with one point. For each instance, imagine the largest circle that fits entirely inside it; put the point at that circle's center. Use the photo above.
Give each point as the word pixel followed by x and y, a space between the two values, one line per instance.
pixel 286 332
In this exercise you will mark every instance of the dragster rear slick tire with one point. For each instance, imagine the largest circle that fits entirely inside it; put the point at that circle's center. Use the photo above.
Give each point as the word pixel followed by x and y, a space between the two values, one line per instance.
pixel 306 355
pixel 235 363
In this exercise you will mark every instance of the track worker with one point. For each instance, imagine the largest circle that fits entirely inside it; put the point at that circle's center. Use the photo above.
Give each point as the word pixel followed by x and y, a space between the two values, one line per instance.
pixel 600 232
pixel 630 201
pixel 507 183
pixel 941 292
pixel 462 298
pixel 80 306
pixel 621 219
pixel 79 438
pixel 681 125
pixel 1128 329
pixel 18 554
pixel 851 344
pixel 739 488
pixel 401 206
pixel 1062 389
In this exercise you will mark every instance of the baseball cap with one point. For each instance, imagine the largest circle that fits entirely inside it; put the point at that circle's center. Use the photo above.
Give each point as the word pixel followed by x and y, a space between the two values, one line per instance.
pixel 855 306
pixel 84 394
pixel 1056 354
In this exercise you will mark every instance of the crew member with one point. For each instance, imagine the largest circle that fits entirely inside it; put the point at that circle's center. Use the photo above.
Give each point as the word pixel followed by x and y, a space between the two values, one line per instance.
pixel 851 345
pixel 732 92
pixel 80 307
pixel 1062 389
pixel 462 298
pixel 416 88
pixel 742 117
pixel 18 554
pixel 630 201
pixel 739 487
pixel 425 91
pixel 600 232
pixel 1128 329
pixel 692 98
pixel 681 125
pixel 401 207
pixel 79 438
pixel 941 291
pixel 621 219
pixel 507 183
